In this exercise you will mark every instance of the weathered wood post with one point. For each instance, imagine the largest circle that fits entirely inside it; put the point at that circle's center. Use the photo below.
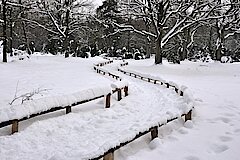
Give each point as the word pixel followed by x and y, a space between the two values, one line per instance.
pixel 126 91
pixel 176 89
pixel 119 94
pixel 188 116
pixel 108 101
pixel 109 156
pixel 181 93
pixel 68 109
pixel 15 126
pixel 167 85
pixel 154 132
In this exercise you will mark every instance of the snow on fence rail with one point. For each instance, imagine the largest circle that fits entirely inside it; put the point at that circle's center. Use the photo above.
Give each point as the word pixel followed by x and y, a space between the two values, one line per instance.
pixel 117 86
pixel 181 91
pixel 17 113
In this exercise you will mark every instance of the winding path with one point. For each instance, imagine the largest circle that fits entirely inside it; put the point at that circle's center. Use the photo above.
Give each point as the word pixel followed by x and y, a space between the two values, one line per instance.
pixel 86 135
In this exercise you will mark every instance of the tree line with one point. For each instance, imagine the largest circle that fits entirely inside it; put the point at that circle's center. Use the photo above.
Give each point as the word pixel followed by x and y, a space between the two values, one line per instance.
pixel 172 29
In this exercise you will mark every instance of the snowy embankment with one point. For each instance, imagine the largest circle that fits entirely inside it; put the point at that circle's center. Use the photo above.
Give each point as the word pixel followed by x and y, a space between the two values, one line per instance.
pixel 215 132
pixel 84 135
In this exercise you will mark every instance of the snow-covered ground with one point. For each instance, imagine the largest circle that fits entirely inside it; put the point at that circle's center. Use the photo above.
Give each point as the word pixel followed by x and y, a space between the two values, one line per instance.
pixel 55 75
pixel 214 133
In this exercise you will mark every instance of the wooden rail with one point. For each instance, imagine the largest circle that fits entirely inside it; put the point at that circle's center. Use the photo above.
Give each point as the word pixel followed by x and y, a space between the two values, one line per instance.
pixel 15 122
pixel 154 81
pixel 109 155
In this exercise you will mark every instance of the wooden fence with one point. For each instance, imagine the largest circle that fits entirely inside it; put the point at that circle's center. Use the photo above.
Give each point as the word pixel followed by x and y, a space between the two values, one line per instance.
pixel 15 122
pixel 109 155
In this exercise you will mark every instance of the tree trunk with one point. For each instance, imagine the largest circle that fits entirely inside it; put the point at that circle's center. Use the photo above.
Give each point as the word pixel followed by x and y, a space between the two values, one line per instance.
pixel 11 34
pixel 24 29
pixel 186 41
pixel 210 48
pixel 158 57
pixel 220 42
pixel 4 31
pixel 66 40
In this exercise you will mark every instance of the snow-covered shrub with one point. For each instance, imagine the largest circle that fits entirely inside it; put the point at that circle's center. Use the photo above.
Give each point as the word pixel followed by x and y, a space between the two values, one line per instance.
pixel 21 54
pixel 198 54
pixel 128 55
pixel 173 58
pixel 226 59
pixel 138 55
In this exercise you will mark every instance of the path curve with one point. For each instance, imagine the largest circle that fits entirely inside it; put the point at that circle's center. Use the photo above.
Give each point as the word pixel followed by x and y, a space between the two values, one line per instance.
pixel 90 134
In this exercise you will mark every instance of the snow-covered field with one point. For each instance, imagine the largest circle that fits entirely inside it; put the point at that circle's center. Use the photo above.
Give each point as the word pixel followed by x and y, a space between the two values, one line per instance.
pixel 55 75
pixel 214 133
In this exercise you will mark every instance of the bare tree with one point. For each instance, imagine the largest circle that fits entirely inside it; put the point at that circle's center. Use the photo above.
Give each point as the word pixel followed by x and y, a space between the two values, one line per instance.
pixel 168 19
pixel 227 24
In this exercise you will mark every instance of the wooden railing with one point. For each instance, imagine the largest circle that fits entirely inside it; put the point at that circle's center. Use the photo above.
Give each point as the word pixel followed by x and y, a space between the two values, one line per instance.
pixel 15 122
pixel 109 155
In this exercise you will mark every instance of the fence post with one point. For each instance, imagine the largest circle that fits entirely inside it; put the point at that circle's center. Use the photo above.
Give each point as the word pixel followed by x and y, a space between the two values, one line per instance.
pixel 68 109
pixel 15 126
pixel 181 93
pixel 188 116
pixel 176 89
pixel 108 99
pixel 167 85
pixel 119 94
pixel 126 91
pixel 109 156
pixel 154 132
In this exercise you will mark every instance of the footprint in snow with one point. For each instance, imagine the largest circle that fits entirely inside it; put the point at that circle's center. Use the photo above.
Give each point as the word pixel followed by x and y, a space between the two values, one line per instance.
pixel 123 104
pixel 191 158
pixel 183 131
pixel 218 148
pixel 237 131
pixel 229 115
pixel 172 138
pixel 225 138
pixel 223 119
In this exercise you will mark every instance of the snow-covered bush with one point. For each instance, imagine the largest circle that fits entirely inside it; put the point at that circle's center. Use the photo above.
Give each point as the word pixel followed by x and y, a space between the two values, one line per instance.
pixel 226 59
pixel 198 54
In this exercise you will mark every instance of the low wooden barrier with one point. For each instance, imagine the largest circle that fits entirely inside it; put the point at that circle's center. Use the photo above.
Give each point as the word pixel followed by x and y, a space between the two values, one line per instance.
pixel 15 122
pixel 154 81
pixel 109 155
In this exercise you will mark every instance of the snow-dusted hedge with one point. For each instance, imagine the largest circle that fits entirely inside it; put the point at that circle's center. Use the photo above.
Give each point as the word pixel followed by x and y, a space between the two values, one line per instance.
pixel 45 104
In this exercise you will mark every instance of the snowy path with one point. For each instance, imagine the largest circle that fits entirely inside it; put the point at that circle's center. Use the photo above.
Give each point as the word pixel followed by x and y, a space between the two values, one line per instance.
pixel 84 135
